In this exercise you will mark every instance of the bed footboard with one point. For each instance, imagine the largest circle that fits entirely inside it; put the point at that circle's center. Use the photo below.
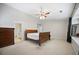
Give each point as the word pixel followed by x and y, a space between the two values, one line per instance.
pixel 43 37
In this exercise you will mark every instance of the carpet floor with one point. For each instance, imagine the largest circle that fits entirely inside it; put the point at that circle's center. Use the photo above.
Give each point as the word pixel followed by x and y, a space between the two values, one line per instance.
pixel 51 47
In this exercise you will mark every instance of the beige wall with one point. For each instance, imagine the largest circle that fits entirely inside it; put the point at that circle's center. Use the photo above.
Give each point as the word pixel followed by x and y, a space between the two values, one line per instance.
pixel 57 28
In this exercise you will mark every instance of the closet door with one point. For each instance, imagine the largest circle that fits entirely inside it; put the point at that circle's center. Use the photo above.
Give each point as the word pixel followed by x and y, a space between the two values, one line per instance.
pixel 6 37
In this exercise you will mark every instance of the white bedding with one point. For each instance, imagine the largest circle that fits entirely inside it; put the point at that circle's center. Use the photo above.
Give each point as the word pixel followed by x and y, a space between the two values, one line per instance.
pixel 34 36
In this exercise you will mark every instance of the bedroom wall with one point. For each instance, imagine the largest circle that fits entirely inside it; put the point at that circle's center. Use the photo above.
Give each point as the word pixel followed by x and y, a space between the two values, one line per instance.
pixel 58 28
pixel 9 16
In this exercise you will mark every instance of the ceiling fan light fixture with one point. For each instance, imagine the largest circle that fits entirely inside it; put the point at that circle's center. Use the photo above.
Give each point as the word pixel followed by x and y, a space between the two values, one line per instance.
pixel 43 13
pixel 42 17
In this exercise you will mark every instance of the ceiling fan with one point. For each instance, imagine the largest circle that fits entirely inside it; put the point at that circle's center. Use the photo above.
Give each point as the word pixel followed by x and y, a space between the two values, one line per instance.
pixel 43 14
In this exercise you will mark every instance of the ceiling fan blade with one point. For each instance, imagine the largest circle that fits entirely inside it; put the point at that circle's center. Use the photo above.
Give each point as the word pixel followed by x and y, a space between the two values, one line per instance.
pixel 47 13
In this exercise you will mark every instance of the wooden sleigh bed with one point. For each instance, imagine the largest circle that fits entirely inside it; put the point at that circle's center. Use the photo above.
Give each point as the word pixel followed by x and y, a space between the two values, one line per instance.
pixel 37 37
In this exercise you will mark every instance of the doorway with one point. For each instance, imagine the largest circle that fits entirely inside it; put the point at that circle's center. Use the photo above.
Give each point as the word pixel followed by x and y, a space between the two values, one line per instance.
pixel 18 32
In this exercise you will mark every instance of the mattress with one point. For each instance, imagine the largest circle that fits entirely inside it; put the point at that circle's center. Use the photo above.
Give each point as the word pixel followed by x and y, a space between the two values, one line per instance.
pixel 34 36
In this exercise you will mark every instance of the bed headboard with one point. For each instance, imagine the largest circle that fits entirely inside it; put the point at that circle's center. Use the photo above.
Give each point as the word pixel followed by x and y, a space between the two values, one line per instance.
pixel 31 31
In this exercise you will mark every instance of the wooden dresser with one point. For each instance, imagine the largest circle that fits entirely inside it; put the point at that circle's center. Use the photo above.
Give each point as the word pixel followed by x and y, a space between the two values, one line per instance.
pixel 6 37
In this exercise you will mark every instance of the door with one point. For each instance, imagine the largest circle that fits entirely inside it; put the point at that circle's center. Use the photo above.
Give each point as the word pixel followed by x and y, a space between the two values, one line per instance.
pixel 69 30
pixel 18 32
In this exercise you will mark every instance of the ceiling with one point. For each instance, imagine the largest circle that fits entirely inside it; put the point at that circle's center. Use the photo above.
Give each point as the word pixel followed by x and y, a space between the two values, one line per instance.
pixel 54 9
